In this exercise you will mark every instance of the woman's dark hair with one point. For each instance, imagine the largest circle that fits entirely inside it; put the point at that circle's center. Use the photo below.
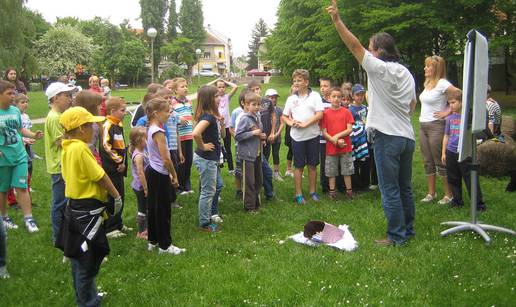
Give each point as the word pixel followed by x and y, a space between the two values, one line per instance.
pixel 384 44
pixel 7 72
pixel 206 101
pixel 313 227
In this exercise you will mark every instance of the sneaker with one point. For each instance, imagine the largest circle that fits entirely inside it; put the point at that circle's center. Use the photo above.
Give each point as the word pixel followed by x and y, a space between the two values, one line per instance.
pixel 176 205
pixel 183 193
pixel 314 196
pixel 277 176
pixel 115 234
pixel 209 228
pixel 190 191
pixel 142 235
pixel 373 187
pixel 65 259
pixel 174 250
pixel 349 194
pixel 216 219
pixel 126 229
pixel 3 272
pixel 37 157
pixel 9 224
pixel 428 198
pixel 289 174
pixel 445 201
pixel 299 199
pixel 151 247
pixel 31 225
pixel 232 172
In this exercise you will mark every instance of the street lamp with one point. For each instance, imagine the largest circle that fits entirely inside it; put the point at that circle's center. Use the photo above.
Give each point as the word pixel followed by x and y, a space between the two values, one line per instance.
pixel 198 54
pixel 152 33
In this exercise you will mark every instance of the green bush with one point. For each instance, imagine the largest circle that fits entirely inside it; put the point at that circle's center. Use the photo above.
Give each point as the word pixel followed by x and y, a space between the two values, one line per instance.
pixel 35 86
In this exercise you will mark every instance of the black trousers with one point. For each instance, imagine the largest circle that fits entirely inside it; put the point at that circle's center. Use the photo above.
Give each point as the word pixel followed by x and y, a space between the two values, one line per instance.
pixel 252 175
pixel 460 170
pixel 184 170
pixel 228 156
pixel 114 222
pixel 274 148
pixel 361 178
pixel 159 211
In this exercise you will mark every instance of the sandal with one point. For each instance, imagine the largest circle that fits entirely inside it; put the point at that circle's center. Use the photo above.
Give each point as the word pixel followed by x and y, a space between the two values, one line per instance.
pixel 428 198
pixel 445 201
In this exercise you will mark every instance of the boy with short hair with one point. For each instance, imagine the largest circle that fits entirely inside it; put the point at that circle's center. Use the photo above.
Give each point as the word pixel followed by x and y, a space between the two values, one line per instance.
pixel 325 88
pixel 336 126
pixel 361 178
pixel 450 155
pixel 82 236
pixel 302 112
pixel 114 160
pixel 249 135
pixel 268 119
pixel 235 118
pixel 60 98
pixel 13 158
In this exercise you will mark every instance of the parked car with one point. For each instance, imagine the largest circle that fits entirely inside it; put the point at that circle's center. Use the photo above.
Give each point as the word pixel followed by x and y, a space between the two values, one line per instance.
pixel 258 73
pixel 206 73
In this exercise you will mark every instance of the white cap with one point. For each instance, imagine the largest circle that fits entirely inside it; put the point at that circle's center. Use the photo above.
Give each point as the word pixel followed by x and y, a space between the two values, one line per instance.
pixel 56 88
pixel 271 92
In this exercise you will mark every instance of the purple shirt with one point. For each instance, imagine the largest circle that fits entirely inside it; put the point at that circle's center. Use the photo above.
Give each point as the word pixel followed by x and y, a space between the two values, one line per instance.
pixel 452 130
pixel 155 160
pixel 136 183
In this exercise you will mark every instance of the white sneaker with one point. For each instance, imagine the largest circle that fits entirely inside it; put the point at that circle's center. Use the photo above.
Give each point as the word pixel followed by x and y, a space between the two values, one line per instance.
pixel 151 247
pixel 9 223
pixel 428 198
pixel 3 273
pixel 289 174
pixel 126 229
pixel 65 259
pixel 115 234
pixel 184 193
pixel 373 187
pixel 216 219
pixel 174 250
pixel 31 225
pixel 277 176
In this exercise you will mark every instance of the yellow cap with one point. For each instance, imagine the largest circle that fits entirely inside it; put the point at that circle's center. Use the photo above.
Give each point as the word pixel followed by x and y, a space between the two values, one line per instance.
pixel 76 117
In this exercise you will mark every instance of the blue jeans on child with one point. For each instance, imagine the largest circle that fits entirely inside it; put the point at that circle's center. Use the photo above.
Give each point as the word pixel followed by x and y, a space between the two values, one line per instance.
pixel 2 245
pixel 393 158
pixel 267 179
pixel 207 170
pixel 218 189
pixel 58 203
pixel 84 270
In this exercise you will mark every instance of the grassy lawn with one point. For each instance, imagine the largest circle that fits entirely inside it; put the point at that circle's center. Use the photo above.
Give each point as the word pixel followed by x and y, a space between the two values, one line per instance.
pixel 247 263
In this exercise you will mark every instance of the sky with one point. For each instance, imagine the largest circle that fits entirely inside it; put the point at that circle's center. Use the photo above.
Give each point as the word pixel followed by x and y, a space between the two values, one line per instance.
pixel 234 19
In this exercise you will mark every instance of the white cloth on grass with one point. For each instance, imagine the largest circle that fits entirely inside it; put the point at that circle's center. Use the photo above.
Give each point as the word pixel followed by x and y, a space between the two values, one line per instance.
pixel 347 243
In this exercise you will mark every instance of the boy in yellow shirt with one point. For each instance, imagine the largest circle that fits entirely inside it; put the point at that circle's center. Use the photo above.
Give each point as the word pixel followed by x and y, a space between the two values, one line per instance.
pixel 82 235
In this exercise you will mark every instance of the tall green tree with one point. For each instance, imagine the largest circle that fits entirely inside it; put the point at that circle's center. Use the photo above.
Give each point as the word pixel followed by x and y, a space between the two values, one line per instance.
pixel 260 31
pixel 61 48
pixel 191 24
pixel 172 21
pixel 153 16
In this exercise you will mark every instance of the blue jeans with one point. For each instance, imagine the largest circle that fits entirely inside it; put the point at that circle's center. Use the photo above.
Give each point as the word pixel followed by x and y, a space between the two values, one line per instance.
pixel 58 203
pixel 84 270
pixel 393 159
pixel 207 170
pixel 3 248
pixel 267 179
pixel 218 189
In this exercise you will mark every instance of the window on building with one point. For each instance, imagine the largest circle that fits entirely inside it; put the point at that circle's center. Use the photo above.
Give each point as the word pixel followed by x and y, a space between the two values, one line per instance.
pixel 220 55
pixel 207 55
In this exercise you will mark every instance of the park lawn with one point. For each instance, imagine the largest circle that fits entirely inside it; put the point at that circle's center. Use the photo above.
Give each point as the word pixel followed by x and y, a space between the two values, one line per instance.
pixel 251 262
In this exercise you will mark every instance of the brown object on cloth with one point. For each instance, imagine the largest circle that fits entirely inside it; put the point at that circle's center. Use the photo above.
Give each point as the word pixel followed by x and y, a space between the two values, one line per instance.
pixel 497 159
pixel 508 126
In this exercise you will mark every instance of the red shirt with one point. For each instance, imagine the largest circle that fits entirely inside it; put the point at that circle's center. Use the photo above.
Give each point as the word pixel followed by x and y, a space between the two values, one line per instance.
pixel 336 121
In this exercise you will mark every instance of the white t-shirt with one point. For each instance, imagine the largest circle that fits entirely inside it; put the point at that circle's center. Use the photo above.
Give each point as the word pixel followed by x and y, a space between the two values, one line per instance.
pixel 391 89
pixel 302 109
pixel 433 100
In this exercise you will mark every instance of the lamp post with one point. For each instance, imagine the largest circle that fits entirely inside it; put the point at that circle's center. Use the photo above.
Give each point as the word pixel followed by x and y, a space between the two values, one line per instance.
pixel 152 33
pixel 198 54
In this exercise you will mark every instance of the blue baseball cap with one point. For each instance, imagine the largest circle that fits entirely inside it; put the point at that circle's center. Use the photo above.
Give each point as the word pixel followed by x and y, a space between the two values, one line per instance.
pixel 357 88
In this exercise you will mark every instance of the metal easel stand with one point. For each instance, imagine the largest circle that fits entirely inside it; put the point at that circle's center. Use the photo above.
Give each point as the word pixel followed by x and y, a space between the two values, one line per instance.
pixel 474 225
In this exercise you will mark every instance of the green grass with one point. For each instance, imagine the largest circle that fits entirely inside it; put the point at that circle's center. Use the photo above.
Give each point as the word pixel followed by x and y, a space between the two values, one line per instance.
pixel 245 264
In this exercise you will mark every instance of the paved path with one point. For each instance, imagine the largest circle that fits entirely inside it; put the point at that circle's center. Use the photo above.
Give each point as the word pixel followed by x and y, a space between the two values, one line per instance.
pixel 130 109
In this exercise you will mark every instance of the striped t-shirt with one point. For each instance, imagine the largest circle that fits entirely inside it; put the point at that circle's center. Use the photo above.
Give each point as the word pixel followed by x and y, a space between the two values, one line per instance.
pixel 183 108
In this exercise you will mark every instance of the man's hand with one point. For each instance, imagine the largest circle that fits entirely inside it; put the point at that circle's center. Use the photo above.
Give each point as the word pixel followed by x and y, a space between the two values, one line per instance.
pixel 333 10
pixel 118 205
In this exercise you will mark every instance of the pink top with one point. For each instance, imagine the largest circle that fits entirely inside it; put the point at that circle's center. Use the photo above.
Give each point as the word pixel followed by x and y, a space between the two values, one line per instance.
pixel 224 110
pixel 331 234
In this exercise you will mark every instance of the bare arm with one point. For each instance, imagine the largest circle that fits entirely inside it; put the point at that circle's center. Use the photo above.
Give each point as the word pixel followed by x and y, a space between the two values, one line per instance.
pixel 159 139
pixel 347 37
pixel 33 135
pixel 445 143
pixel 234 88
pixel 141 173
pixel 106 183
pixel 287 120
pixel 197 135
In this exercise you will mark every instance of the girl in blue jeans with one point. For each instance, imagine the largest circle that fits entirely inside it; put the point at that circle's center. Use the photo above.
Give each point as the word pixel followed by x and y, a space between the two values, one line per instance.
pixel 206 156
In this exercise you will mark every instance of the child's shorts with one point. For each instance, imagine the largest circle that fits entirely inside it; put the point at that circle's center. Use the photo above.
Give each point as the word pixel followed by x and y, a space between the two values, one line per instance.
pixel 331 168
pixel 14 176
pixel 306 152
